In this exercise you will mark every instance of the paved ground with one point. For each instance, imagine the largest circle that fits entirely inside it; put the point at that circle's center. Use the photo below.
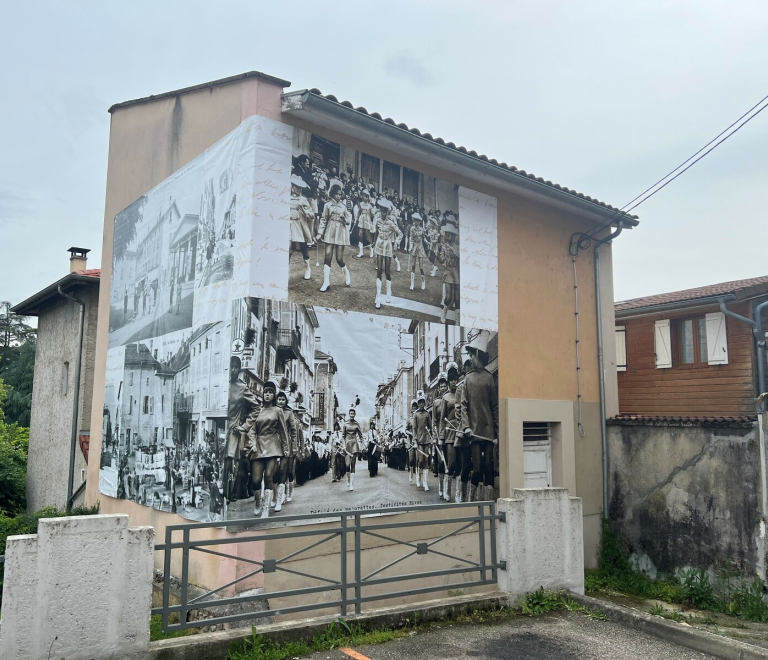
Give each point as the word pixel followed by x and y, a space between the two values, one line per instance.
pixel 565 636
pixel 322 496
pixel 360 296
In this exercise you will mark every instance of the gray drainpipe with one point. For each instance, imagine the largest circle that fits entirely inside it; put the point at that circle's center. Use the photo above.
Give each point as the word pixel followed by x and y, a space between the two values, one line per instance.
pixel 76 404
pixel 756 323
pixel 600 361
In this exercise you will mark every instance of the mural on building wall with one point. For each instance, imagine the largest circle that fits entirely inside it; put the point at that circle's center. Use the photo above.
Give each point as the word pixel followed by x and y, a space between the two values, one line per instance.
pixel 245 380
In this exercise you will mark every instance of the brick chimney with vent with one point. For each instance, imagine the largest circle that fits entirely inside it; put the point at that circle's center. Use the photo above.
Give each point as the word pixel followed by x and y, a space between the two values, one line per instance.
pixel 78 257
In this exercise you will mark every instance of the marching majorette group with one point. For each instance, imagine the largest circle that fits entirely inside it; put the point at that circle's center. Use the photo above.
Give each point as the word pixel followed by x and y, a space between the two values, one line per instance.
pixel 332 211
pixel 460 433
pixel 267 434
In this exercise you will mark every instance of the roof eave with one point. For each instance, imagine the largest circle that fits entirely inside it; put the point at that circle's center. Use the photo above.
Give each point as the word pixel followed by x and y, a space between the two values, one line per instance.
pixel 679 304
pixel 31 306
pixel 323 112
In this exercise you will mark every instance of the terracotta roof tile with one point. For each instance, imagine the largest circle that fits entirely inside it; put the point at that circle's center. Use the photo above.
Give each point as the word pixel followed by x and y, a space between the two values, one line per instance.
pixel 464 150
pixel 89 272
pixel 691 294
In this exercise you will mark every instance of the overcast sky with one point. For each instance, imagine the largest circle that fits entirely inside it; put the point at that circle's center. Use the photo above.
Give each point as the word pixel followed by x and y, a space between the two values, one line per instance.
pixel 604 97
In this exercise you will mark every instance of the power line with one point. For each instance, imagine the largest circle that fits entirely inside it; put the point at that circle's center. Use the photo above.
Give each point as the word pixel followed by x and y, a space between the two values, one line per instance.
pixel 624 210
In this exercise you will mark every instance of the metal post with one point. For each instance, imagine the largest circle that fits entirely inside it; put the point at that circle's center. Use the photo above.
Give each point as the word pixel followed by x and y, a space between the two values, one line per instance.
pixel 167 575
pixel 481 527
pixel 343 564
pixel 184 578
pixel 494 558
pixel 358 588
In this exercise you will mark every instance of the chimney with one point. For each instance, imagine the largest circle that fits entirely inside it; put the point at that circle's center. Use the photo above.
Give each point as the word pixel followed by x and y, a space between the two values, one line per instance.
pixel 78 257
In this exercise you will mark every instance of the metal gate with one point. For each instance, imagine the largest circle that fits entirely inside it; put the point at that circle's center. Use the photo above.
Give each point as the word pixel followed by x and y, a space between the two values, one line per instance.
pixel 353 583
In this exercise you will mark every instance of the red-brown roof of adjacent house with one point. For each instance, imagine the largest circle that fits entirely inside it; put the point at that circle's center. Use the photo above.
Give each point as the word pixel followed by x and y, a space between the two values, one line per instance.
pixel 89 272
pixel 757 284
pixel 674 420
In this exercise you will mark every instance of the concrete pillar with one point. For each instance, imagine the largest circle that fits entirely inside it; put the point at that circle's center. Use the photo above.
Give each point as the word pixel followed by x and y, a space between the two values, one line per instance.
pixel 80 588
pixel 541 541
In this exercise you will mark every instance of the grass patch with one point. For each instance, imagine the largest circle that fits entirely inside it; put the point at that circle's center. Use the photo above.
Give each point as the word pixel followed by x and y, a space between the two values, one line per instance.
pixel 156 628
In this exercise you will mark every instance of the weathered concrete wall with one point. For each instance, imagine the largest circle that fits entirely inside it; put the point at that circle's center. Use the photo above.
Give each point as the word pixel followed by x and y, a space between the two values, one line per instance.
pixel 80 588
pixel 687 496
pixel 51 421
pixel 541 541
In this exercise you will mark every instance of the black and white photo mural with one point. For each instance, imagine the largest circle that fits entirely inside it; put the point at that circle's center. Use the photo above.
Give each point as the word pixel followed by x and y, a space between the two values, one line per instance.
pixel 298 328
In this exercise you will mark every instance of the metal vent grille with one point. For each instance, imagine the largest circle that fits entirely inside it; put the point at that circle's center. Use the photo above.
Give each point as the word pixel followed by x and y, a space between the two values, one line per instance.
pixel 536 431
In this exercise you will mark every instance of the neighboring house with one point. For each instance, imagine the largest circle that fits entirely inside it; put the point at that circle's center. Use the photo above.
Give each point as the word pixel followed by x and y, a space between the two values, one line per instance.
pixel 54 387
pixel 687 471
pixel 678 354
pixel 325 398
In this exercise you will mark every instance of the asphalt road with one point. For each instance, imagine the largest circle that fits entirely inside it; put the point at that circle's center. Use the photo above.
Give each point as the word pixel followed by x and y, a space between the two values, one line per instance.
pixel 565 636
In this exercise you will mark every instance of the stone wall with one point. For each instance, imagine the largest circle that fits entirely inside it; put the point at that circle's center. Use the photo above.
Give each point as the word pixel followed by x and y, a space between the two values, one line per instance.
pixel 687 494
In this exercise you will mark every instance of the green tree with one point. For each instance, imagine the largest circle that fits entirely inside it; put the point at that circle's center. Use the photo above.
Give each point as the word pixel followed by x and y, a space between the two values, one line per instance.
pixel 18 370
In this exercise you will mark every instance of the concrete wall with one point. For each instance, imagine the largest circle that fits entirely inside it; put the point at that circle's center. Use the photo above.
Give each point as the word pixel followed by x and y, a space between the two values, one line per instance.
pixel 80 588
pixel 149 141
pixel 686 496
pixel 51 421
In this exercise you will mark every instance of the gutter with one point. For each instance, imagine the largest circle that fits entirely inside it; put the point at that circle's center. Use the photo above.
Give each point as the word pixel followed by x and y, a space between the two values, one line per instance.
pixel 76 396
pixel 683 304
pixel 338 117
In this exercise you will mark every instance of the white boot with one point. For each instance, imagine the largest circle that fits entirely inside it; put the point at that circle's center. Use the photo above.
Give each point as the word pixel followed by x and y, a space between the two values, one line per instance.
pixel 289 492
pixel 361 252
pixel 434 271
pixel 470 492
pixel 397 263
pixel 443 313
pixel 418 478
pixel 280 498
pixel 442 300
pixel 347 279
pixel 439 486
pixel 423 283
pixel 447 488
pixel 378 293
pixel 307 270
pixel 273 501
pixel 389 291
pixel 326 278
pixel 370 247
pixel 351 481
pixel 267 504
pixel 257 505
pixel 413 278
pixel 424 478
pixel 410 476
pixel 458 489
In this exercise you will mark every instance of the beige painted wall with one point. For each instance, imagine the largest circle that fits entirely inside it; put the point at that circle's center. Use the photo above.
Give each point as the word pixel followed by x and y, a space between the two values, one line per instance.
pixel 149 141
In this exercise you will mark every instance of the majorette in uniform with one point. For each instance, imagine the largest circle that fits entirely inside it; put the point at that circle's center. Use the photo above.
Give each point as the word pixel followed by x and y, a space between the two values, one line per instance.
pixel 302 221
pixel 449 255
pixel 287 467
pixel 352 434
pixel 334 232
pixel 422 433
pixel 268 440
pixel 410 445
pixel 439 434
pixel 389 235
pixel 365 220
pixel 417 249
pixel 449 426
pixel 480 413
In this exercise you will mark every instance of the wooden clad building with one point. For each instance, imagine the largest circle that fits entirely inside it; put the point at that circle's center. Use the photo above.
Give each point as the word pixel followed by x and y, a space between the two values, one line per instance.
pixel 679 355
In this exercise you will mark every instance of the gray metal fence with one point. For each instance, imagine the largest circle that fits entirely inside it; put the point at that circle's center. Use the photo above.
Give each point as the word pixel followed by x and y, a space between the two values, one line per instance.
pixel 353 584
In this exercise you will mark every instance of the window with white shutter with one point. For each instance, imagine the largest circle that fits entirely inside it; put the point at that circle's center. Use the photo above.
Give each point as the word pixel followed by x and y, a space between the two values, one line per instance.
pixel 661 344
pixel 717 340
pixel 621 348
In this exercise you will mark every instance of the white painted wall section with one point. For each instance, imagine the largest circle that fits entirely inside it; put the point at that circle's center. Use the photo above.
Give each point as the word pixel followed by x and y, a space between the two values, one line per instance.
pixel 86 580
pixel 542 541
